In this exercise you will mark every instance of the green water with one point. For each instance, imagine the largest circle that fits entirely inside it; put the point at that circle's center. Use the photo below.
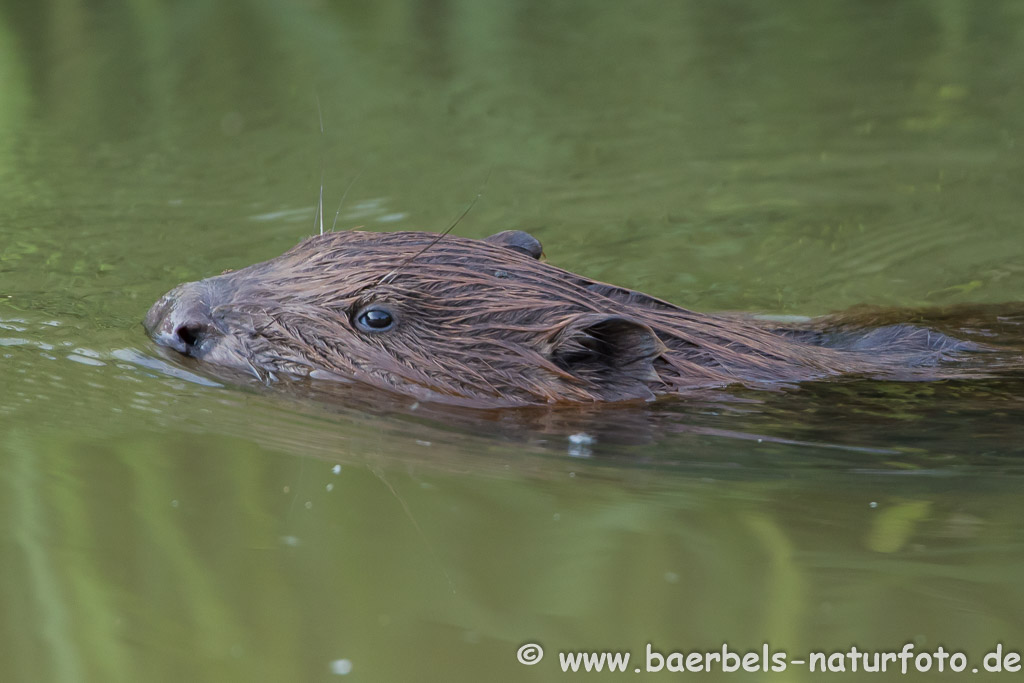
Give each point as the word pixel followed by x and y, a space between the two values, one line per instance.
pixel 783 158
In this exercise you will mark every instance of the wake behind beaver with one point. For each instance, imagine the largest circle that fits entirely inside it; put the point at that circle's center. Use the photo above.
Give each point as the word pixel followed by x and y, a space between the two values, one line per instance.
pixel 486 323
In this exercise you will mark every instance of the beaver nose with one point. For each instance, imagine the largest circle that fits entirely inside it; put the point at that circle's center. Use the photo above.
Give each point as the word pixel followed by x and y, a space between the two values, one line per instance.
pixel 180 320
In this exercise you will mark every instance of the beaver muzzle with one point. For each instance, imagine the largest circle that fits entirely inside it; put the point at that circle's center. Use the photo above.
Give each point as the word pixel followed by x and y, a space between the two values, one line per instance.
pixel 182 320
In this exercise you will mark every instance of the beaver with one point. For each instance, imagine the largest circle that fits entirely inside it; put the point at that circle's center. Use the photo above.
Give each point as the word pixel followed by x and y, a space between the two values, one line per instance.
pixel 488 323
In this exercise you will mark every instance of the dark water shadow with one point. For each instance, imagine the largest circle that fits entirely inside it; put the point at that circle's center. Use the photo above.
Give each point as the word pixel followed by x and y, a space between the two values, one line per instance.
pixel 852 423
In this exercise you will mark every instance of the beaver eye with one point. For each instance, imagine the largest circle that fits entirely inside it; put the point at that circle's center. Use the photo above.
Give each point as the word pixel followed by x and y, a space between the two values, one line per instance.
pixel 375 320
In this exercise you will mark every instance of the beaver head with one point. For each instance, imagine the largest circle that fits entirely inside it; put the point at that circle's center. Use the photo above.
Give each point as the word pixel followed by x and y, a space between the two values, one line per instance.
pixel 475 322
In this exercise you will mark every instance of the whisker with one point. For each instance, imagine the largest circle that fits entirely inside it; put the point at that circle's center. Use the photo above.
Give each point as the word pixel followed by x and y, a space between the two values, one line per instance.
pixel 345 194
pixel 403 264
pixel 320 204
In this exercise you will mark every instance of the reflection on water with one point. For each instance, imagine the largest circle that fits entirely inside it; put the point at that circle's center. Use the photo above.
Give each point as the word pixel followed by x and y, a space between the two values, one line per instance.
pixel 736 156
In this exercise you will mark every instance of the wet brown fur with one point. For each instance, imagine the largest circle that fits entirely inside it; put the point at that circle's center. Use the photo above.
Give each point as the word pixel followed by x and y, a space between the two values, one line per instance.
pixel 486 324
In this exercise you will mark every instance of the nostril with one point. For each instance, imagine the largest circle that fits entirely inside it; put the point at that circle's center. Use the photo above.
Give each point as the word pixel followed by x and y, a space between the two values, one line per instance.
pixel 190 334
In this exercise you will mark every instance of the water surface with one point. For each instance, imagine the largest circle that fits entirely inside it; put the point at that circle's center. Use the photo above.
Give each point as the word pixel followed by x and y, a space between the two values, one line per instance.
pixel 735 156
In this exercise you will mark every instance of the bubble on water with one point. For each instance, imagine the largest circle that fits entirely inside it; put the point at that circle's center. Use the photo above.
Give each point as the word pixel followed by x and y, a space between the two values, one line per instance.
pixel 341 667
pixel 872 505
pixel 336 469
pixel 330 487
pixel 579 445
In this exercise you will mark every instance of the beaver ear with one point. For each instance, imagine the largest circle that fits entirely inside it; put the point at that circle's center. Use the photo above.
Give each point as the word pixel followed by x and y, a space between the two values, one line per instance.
pixel 518 240
pixel 613 352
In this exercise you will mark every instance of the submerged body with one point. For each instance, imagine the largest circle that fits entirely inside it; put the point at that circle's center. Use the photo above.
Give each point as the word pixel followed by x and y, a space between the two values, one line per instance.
pixel 486 323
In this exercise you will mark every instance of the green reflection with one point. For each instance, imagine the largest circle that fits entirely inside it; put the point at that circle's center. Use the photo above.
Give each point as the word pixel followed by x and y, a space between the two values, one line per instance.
pixel 728 156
